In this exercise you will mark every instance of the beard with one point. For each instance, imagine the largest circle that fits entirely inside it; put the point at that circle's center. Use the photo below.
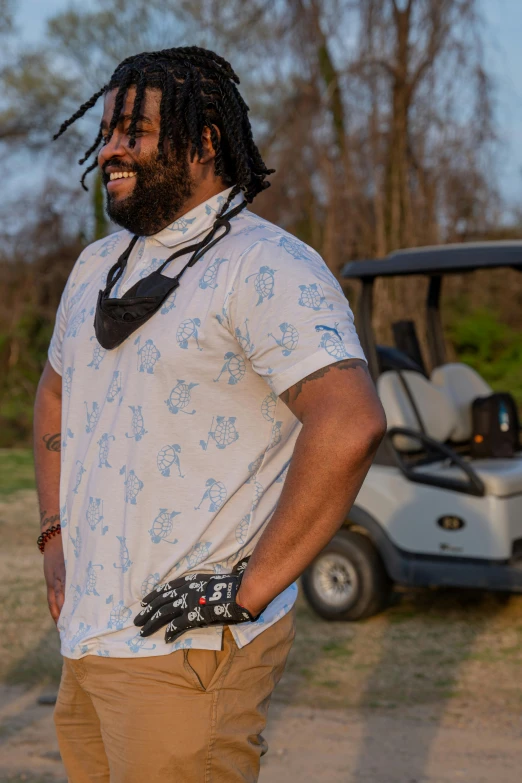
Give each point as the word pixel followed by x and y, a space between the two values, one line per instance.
pixel 159 194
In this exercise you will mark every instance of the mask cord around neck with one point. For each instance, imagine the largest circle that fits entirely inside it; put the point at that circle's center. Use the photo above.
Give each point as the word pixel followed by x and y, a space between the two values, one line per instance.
pixel 197 249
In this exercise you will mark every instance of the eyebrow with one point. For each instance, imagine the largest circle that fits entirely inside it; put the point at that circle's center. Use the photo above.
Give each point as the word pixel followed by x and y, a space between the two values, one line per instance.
pixel 141 118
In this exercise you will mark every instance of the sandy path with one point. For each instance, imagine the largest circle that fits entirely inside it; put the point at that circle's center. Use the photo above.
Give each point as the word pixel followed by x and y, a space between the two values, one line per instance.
pixel 401 746
pixel 308 745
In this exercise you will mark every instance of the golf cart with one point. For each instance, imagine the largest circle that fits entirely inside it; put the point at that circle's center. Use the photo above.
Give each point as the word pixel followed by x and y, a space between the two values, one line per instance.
pixel 428 513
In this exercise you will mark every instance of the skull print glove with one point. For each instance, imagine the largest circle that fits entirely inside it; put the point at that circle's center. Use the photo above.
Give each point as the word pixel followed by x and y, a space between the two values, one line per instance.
pixel 194 601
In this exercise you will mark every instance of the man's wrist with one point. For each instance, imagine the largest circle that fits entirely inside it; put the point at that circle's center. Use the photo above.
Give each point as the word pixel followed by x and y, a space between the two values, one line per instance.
pixel 247 602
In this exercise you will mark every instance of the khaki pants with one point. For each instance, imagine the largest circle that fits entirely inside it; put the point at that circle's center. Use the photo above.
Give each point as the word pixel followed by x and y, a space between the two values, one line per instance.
pixel 192 716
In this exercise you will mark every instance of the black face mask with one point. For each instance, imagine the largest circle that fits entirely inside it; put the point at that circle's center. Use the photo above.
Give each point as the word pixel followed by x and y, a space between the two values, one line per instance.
pixel 117 319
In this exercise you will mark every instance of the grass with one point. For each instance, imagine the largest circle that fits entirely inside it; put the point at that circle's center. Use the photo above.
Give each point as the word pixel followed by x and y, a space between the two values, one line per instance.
pixel 16 470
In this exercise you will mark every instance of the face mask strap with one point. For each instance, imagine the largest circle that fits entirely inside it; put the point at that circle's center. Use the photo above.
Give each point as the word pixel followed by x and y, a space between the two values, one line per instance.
pixel 118 268
pixel 117 318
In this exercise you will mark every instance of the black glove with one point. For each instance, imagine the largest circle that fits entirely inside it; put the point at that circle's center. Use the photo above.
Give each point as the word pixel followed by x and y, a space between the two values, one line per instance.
pixel 194 601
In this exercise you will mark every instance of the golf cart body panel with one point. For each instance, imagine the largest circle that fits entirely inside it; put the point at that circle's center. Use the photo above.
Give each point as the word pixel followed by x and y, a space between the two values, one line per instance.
pixel 414 569
pixel 424 519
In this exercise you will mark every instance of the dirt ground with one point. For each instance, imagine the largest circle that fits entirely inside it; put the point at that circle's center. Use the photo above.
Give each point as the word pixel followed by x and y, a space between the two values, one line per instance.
pixel 428 692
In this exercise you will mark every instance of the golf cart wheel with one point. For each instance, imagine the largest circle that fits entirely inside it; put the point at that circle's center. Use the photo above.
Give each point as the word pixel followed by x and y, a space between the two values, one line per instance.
pixel 347 580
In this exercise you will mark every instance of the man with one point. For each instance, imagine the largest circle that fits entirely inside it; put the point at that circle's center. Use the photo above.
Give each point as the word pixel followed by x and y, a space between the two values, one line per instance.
pixel 217 421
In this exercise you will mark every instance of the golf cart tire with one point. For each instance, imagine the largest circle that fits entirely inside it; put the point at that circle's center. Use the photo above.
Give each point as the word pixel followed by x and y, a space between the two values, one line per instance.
pixel 354 554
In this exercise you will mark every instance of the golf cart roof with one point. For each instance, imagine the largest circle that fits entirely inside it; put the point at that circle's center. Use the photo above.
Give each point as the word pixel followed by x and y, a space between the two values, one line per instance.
pixel 439 259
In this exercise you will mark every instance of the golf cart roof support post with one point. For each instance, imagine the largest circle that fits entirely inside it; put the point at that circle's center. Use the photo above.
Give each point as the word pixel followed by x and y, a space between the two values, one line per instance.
pixel 365 327
pixel 434 331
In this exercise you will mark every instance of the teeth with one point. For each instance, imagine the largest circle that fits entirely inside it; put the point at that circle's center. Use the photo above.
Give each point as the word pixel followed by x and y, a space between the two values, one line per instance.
pixel 121 174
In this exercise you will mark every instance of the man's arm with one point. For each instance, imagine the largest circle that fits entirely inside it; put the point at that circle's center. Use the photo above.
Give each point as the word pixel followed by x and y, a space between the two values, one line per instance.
pixel 343 424
pixel 47 446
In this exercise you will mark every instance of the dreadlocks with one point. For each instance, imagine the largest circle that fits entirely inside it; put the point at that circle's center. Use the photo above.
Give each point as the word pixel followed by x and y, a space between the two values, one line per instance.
pixel 198 90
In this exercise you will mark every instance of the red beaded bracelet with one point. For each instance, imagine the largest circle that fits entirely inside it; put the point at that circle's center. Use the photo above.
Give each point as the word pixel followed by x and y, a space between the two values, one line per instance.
pixel 46 535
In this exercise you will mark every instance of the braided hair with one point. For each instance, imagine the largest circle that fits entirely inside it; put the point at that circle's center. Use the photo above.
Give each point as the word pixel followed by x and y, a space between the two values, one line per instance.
pixel 198 90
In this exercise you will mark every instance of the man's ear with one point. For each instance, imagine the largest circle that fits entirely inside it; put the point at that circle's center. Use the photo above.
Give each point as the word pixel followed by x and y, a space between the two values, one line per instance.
pixel 209 150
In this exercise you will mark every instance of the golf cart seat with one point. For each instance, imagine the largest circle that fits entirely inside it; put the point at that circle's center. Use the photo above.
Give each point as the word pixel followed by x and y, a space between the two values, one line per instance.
pixel 410 400
pixel 415 405
pixel 462 385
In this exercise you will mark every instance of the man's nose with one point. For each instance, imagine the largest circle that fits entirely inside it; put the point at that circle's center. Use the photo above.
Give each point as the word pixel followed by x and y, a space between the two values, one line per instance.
pixel 112 149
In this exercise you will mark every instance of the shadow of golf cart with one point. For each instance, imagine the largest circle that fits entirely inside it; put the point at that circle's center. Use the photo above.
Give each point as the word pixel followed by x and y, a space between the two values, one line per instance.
pixel 430 513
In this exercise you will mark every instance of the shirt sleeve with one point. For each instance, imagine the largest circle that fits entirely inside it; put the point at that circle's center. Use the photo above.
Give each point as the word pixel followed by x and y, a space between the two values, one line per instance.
pixel 289 313
pixel 60 325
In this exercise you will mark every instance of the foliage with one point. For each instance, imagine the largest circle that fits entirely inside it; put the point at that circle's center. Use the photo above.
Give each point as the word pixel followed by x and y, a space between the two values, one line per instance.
pixel 16 470
pixel 491 347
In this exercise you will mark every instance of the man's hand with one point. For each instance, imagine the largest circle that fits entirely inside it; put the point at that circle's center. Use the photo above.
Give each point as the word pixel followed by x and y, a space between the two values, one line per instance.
pixel 54 573
pixel 194 601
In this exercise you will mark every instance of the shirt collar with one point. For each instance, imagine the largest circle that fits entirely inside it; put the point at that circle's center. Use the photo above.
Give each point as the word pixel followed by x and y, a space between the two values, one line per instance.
pixel 198 220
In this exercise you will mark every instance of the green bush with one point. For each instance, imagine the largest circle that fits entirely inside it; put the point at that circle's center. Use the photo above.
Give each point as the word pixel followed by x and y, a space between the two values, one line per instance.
pixel 491 347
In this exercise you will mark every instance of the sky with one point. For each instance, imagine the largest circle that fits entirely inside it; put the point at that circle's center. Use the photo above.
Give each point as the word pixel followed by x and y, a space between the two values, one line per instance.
pixel 503 34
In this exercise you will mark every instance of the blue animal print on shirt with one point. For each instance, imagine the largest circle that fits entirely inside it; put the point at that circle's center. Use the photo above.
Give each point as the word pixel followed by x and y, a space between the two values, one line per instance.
pixel 75 298
pixel 149 584
pixel 235 367
pixel 93 417
pixel 80 470
pixel 76 324
pixel 169 303
pixel 180 397
pixel 109 245
pixel 118 616
pixel 244 339
pixel 77 542
pixel 148 355
pixel 289 338
pixel 268 406
pixel 114 387
pixel 242 530
pixel 162 526
pixel 223 432
pixel 98 354
pixel 215 493
pixel 263 283
pixel 138 643
pixel 133 485
pixel 67 380
pixel 332 342
pixel 187 330
pixel 80 634
pixel 94 514
pixel 181 225
pixel 151 267
pixel 103 454
pixel 209 276
pixel 137 424
pixel 312 296
pixel 92 577
pixel 125 561
pixel 167 457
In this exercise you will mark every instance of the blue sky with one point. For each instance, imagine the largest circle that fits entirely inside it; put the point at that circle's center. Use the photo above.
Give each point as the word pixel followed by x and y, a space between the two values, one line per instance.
pixel 503 35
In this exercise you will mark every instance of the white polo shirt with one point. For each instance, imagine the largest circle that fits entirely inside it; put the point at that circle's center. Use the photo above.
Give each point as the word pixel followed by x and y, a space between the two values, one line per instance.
pixel 176 444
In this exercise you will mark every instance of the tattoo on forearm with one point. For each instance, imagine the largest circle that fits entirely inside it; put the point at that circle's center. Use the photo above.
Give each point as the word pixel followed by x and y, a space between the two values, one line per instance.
pixel 46 521
pixel 291 394
pixel 53 442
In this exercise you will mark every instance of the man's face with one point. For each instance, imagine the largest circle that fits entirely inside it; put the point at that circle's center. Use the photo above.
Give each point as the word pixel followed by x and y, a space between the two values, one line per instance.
pixel 151 193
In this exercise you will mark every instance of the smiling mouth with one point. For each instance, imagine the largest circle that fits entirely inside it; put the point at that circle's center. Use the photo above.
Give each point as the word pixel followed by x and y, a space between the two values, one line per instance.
pixel 114 175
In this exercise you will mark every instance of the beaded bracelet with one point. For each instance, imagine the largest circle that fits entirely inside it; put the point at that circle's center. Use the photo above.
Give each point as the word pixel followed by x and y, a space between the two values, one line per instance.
pixel 46 535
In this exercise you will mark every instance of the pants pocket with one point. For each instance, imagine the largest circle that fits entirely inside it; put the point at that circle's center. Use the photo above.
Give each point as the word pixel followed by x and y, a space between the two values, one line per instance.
pixel 205 668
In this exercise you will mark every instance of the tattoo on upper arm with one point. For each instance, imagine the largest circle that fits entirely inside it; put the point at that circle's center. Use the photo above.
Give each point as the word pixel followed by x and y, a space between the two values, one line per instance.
pixel 291 394
pixel 45 520
pixel 53 442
